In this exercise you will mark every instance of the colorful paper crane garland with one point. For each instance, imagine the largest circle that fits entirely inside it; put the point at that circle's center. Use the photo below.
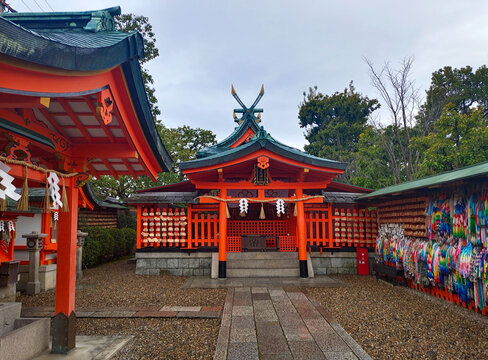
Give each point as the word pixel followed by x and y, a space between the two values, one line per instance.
pixel 456 255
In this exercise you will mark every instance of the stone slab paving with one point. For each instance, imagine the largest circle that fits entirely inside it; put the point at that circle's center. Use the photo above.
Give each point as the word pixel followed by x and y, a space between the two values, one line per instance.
pixel 202 312
pixel 90 347
pixel 273 323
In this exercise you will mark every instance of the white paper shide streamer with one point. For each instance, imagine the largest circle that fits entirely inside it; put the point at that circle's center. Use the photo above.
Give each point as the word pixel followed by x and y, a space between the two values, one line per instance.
pixel 6 186
pixel 280 207
pixel 53 181
pixel 243 206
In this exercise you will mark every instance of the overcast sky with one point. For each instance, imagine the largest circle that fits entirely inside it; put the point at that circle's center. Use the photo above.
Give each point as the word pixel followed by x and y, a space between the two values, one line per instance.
pixel 205 46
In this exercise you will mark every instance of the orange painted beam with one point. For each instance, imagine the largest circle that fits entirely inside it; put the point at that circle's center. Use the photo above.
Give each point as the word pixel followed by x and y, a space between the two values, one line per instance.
pixel 269 154
pixel 12 101
pixel 204 200
pixel 18 171
pixel 24 76
pixel 273 185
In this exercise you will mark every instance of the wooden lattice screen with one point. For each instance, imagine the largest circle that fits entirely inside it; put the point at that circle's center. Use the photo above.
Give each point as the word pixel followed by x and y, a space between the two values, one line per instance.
pixel 261 227
pixel 203 228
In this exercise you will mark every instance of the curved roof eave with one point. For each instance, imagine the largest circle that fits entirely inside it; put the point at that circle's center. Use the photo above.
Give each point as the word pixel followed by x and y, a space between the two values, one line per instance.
pixel 77 51
pixel 133 76
pixel 262 143
pixel 120 49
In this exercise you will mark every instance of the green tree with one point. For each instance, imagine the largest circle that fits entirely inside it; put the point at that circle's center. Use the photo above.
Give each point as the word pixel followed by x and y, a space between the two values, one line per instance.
pixel 373 159
pixel 459 139
pixel 333 123
pixel 132 22
pixel 182 143
pixel 463 88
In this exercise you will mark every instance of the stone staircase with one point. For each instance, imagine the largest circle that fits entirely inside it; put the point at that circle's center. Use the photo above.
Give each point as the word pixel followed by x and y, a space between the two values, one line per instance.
pixel 262 264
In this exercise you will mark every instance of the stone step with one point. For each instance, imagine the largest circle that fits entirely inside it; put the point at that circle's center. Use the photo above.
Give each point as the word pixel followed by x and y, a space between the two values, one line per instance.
pixel 274 255
pixel 262 263
pixel 255 273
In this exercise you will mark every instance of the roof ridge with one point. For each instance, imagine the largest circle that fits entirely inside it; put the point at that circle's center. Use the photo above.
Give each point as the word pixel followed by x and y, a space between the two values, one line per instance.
pixel 90 21
pixel 386 190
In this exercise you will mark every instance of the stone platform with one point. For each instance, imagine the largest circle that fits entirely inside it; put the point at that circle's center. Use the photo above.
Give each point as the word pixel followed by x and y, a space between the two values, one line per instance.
pixel 90 347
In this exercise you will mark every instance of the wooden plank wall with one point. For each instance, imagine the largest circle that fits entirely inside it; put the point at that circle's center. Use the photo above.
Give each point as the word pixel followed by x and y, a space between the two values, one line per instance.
pixel 106 218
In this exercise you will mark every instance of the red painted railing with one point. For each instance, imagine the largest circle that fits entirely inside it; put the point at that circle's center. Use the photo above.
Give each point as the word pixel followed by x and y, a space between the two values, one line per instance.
pixel 326 227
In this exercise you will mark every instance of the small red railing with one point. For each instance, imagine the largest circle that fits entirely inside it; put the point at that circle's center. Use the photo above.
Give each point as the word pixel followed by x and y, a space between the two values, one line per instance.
pixel 326 226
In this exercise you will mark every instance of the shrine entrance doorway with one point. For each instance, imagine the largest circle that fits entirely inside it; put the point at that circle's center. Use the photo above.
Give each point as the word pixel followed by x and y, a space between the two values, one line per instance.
pixel 260 229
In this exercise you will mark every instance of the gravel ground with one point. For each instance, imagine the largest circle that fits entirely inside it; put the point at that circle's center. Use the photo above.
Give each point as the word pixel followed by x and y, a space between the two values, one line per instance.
pixel 158 338
pixel 117 285
pixel 400 323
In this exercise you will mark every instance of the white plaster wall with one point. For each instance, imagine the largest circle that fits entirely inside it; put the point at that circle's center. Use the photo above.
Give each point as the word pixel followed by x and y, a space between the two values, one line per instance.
pixel 25 225
pixel 21 255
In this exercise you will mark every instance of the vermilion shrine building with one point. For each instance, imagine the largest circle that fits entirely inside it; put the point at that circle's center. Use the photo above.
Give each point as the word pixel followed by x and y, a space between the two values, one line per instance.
pixel 250 192
pixel 72 106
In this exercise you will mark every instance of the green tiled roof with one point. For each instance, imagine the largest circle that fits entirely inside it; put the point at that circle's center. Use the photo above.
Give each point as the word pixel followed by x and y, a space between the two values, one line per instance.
pixel 450 176
pixel 84 41
pixel 261 140
pixel 224 145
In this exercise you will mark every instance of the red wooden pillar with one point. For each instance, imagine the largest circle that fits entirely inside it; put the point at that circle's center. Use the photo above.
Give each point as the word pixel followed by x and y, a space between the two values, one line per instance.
pixel 301 235
pixel 330 234
pixel 189 226
pixel 45 229
pixel 64 324
pixel 139 226
pixel 223 236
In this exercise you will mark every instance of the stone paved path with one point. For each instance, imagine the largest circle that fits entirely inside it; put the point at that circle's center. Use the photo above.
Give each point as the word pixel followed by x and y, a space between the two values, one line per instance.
pixel 204 282
pixel 271 323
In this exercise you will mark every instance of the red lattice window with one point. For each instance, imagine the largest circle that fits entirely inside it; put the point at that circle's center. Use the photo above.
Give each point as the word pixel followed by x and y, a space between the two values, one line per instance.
pixel 258 227
pixel 234 244
pixel 271 242
pixel 288 243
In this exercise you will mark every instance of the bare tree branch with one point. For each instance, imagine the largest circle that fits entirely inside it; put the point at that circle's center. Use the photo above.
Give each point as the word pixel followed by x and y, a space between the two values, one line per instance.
pixel 401 98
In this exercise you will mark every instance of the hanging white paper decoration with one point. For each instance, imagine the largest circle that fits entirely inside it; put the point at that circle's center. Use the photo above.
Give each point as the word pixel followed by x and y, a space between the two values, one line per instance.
pixel 7 188
pixel 56 216
pixel 2 226
pixel 11 226
pixel 53 180
pixel 280 207
pixel 243 205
